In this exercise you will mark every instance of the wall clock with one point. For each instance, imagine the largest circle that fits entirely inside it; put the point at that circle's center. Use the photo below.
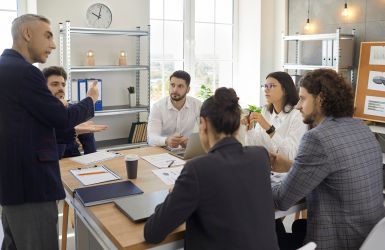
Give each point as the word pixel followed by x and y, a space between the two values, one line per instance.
pixel 99 16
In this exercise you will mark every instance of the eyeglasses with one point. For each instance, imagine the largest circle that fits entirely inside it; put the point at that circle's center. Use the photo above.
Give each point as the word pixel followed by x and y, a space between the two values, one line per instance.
pixel 268 85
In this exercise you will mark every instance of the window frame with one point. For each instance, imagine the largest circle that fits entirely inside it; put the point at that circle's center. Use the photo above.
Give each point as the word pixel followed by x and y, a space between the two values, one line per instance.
pixel 189 58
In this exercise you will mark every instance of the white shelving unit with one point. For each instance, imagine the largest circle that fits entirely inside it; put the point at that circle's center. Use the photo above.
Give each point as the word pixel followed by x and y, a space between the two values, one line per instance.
pixel 340 59
pixel 66 35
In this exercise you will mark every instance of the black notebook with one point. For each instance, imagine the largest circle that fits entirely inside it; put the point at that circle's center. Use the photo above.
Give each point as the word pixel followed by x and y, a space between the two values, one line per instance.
pixel 101 194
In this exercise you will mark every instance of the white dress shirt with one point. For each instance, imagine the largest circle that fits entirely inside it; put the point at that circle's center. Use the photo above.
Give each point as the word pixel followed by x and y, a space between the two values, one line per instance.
pixel 289 129
pixel 166 120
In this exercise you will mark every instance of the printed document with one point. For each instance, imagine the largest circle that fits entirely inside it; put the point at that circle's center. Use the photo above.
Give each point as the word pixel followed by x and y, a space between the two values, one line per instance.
pixel 95 157
pixel 168 175
pixel 163 160
pixel 93 175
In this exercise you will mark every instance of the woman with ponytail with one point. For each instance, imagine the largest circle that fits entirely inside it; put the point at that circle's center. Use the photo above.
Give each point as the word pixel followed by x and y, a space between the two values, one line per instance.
pixel 225 196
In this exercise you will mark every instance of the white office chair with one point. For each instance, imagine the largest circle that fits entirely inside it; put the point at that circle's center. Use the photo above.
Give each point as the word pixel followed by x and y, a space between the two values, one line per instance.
pixel 375 239
pixel 308 246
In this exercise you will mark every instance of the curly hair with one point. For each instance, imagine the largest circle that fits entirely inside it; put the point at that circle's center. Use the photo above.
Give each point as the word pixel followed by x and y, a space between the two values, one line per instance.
pixel 336 94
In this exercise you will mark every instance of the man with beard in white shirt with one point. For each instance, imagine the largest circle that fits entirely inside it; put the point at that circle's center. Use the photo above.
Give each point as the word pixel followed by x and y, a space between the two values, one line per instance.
pixel 173 118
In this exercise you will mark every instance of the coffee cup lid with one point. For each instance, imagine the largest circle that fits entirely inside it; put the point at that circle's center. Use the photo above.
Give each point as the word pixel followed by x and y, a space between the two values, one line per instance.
pixel 131 157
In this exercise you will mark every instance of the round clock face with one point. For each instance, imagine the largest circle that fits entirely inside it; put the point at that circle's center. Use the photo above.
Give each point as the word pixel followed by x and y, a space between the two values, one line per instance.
pixel 99 16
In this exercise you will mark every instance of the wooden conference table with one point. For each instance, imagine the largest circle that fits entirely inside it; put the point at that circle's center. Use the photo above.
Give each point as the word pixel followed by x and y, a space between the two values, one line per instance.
pixel 104 226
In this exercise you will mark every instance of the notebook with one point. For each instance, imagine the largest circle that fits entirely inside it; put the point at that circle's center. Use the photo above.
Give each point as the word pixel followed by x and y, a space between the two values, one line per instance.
pixel 101 194
pixel 193 148
pixel 138 208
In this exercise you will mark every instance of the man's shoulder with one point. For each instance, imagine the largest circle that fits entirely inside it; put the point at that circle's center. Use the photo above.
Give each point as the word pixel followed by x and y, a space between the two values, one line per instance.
pixel 161 102
pixel 193 100
pixel 334 128
pixel 12 58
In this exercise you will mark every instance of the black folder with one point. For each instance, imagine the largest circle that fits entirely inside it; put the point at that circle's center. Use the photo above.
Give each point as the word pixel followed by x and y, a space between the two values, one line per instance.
pixel 101 194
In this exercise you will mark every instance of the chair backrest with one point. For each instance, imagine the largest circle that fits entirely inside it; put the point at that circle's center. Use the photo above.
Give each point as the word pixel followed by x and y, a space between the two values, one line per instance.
pixel 308 246
pixel 375 239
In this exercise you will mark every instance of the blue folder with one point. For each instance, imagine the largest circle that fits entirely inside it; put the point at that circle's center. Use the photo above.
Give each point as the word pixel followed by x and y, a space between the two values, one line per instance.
pixel 100 194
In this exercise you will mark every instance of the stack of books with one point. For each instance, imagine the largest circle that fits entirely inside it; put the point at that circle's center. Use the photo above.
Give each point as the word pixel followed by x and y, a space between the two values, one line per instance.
pixel 138 132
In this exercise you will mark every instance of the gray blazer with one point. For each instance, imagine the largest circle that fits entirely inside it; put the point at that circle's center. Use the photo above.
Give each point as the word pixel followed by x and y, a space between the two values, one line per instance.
pixel 338 169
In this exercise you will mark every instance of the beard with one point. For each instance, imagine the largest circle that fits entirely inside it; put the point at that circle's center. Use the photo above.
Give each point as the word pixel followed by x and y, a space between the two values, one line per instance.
pixel 176 97
pixel 310 119
pixel 59 94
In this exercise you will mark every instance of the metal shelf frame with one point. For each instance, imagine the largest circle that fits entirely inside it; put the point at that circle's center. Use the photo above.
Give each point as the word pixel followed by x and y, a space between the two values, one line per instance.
pixel 65 32
pixel 298 39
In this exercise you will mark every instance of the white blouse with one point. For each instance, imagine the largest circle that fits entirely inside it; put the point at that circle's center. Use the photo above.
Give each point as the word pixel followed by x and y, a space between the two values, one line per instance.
pixel 289 129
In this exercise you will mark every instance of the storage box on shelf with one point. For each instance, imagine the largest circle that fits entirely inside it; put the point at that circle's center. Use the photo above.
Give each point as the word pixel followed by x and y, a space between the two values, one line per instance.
pixel 66 40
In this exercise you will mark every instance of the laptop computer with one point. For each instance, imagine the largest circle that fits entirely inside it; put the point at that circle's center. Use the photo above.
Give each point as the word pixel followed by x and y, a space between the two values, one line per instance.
pixel 193 148
pixel 138 208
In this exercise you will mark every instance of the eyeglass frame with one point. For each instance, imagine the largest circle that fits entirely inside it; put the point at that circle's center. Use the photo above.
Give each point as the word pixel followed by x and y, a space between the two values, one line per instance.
pixel 268 86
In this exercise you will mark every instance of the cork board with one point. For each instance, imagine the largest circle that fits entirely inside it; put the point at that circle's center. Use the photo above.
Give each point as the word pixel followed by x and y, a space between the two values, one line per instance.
pixel 369 103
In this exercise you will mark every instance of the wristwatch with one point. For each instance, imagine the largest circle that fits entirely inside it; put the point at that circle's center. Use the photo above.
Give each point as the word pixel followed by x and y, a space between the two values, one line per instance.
pixel 270 130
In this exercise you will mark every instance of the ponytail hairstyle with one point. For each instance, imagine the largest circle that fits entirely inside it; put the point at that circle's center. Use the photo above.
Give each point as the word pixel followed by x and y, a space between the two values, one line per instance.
pixel 223 111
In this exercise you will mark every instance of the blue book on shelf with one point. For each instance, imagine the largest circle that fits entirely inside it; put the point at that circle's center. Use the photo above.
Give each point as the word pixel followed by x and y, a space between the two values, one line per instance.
pixel 82 89
pixel 99 102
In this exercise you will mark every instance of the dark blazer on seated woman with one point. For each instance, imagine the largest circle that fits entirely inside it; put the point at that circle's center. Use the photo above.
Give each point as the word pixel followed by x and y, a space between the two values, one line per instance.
pixel 225 199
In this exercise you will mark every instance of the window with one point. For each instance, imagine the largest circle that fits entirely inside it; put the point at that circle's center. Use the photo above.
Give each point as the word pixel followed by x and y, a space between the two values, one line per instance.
pixel 166 43
pixel 213 62
pixel 198 40
pixel 8 12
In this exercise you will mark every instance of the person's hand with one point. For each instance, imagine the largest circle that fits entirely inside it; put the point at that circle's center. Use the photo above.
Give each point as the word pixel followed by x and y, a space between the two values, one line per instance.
pixel 64 101
pixel 279 163
pixel 246 121
pixel 258 117
pixel 89 127
pixel 174 140
pixel 183 142
pixel 93 92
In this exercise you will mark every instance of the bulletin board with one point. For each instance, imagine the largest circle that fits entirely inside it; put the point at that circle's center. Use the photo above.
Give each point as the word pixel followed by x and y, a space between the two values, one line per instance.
pixel 369 103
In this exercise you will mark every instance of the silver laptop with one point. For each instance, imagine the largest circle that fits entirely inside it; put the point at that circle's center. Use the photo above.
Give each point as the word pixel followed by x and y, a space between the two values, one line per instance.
pixel 193 148
pixel 139 207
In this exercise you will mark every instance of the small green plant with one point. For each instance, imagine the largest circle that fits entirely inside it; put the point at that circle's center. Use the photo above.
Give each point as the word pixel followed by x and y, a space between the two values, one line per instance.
pixel 253 108
pixel 204 92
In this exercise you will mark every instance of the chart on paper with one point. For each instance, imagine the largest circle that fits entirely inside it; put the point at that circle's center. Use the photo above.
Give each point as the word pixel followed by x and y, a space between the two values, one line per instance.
pixel 164 160
pixel 168 175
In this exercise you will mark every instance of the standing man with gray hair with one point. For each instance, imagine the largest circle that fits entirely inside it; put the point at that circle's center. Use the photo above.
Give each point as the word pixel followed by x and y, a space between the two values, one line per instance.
pixel 30 182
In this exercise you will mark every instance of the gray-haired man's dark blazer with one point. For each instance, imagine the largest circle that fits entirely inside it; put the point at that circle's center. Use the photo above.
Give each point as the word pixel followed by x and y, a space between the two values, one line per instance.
pixel 339 170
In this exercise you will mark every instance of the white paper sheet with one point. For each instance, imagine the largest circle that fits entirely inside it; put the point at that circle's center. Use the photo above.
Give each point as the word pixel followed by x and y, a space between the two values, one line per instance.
pixel 374 105
pixel 95 157
pixel 163 160
pixel 277 177
pixel 93 175
pixel 168 175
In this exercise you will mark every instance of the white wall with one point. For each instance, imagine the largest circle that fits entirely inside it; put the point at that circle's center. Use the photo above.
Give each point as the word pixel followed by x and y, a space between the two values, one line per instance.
pixel 126 14
pixel 261 23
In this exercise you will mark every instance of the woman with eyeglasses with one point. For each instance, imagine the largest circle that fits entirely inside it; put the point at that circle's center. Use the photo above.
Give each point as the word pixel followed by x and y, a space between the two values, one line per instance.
pixel 279 126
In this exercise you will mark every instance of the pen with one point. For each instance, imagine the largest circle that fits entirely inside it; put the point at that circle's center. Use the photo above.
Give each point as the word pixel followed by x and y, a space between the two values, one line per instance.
pixel 90 173
pixel 171 162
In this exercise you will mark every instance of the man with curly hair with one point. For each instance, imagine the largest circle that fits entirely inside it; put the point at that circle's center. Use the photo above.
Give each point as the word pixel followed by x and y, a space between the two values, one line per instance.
pixel 338 168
